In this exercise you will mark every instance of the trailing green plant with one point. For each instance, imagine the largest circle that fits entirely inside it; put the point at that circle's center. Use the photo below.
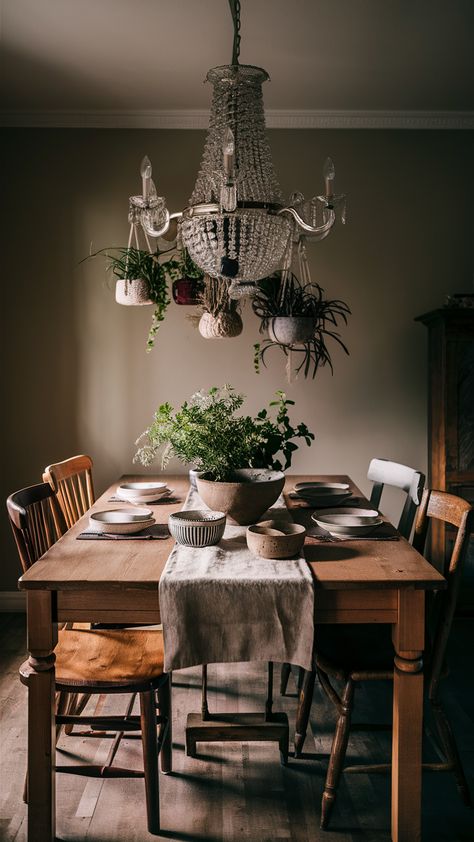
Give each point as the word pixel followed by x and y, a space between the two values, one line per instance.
pixel 207 433
pixel 133 263
pixel 281 296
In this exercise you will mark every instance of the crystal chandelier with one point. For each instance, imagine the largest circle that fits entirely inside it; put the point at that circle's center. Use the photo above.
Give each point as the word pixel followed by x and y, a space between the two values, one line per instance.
pixel 237 226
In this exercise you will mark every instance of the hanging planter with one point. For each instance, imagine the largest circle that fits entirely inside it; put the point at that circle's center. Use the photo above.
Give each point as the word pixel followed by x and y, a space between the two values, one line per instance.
pixel 225 325
pixel 298 318
pixel 218 315
pixel 291 330
pixel 132 292
pixel 187 289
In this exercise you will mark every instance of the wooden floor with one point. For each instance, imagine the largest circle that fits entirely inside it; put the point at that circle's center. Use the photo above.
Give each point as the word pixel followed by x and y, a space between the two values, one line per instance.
pixel 237 791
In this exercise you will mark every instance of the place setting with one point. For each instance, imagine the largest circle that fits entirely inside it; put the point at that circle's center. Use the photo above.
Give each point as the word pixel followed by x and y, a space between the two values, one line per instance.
pixel 351 523
pixel 143 493
pixel 317 495
pixel 116 524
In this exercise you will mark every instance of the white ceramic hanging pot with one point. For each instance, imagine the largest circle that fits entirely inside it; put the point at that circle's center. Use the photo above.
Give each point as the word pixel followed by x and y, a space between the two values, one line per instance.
pixel 291 330
pixel 132 293
pixel 224 325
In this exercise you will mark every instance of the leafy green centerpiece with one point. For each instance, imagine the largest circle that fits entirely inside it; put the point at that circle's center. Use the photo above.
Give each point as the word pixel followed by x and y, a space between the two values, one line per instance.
pixel 241 457
pixel 207 433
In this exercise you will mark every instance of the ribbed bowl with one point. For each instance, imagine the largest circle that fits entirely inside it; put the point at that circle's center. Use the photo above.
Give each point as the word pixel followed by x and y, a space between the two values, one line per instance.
pixel 196 528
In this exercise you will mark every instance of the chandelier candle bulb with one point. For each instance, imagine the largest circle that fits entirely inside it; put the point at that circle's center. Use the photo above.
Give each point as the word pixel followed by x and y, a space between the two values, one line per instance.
pixel 228 148
pixel 145 172
pixel 329 174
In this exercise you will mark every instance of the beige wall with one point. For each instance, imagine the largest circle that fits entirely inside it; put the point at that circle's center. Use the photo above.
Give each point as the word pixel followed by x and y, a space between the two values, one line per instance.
pixel 77 378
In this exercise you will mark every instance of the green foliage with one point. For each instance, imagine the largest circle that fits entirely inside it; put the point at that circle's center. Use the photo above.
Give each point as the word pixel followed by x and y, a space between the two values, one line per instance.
pixel 207 433
pixel 277 297
pixel 133 263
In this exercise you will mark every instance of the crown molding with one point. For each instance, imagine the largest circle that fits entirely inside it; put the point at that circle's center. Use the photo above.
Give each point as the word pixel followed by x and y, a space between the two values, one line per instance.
pixel 275 119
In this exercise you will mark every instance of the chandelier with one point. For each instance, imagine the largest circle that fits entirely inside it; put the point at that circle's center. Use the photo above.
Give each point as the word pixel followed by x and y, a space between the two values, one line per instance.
pixel 237 225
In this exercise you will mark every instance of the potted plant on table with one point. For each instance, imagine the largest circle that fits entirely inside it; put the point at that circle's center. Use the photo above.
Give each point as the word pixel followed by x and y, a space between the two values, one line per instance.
pixel 298 318
pixel 240 458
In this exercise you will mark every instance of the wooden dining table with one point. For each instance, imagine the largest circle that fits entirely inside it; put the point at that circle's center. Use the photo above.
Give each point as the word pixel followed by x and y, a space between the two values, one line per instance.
pixel 360 581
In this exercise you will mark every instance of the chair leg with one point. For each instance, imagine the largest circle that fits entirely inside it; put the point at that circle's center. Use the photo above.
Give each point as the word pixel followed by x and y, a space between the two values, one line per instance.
pixel 150 759
pixel 338 753
pixel 450 749
pixel 164 702
pixel 284 676
pixel 304 707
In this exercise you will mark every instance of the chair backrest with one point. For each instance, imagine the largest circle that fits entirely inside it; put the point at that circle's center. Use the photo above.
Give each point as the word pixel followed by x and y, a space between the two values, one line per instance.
pixel 383 472
pixel 36 520
pixel 71 481
pixel 439 505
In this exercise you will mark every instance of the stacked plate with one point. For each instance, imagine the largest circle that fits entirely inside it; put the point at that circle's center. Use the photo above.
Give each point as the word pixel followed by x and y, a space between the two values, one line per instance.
pixel 322 493
pixel 348 522
pixel 143 493
pixel 121 521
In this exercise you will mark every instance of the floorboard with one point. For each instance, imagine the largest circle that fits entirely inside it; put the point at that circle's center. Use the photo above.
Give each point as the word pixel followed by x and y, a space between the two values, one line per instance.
pixel 237 792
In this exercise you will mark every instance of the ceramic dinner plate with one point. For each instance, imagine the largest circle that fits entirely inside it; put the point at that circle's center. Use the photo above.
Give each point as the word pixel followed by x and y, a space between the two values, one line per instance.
pixel 121 521
pixel 348 521
pixel 322 493
pixel 143 492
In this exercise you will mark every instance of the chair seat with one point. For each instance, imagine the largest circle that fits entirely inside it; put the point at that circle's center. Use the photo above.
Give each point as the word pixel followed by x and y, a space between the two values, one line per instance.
pixel 106 659
pixel 354 648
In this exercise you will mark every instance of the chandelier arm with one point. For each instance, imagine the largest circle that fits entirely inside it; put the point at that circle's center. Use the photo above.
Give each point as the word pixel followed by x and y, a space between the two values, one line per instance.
pixel 311 229
pixel 151 230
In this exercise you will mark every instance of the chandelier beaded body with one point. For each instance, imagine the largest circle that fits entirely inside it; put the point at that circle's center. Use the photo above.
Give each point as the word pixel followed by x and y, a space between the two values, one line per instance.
pixel 237 226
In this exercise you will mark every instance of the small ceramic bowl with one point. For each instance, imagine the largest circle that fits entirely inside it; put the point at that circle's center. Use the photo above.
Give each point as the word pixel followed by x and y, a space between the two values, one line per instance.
pixel 275 539
pixel 196 528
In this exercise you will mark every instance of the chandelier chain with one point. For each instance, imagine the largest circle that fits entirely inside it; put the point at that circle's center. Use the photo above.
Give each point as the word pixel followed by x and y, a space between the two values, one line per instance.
pixel 235 12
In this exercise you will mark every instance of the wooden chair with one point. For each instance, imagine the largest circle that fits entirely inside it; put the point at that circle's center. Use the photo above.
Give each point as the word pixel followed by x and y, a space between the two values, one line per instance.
pixel 97 662
pixel 71 482
pixel 355 653
pixel 382 472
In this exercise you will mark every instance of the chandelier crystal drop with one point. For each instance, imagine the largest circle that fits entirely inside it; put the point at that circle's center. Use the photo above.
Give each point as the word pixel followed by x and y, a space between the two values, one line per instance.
pixel 237 226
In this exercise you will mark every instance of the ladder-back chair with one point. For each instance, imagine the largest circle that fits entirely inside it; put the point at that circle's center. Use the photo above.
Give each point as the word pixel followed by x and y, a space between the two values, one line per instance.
pixel 71 481
pixel 97 662
pixel 352 654
pixel 382 472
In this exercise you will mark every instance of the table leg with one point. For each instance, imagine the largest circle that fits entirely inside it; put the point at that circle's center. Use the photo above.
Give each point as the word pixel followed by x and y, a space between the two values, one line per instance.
pixel 305 700
pixel 42 638
pixel 408 640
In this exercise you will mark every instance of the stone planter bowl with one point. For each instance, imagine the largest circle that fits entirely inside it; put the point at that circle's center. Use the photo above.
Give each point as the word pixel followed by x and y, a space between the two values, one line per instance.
pixel 223 326
pixel 275 539
pixel 291 330
pixel 133 293
pixel 245 499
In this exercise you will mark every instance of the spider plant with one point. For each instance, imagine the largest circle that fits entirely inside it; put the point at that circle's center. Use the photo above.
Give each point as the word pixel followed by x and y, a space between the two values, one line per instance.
pixel 283 296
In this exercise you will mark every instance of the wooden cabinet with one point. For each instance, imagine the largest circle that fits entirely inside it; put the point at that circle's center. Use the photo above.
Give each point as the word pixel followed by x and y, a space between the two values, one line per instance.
pixel 451 421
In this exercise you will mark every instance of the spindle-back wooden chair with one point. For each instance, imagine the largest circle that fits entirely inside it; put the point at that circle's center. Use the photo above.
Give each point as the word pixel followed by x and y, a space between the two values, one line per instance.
pixel 98 662
pixel 71 481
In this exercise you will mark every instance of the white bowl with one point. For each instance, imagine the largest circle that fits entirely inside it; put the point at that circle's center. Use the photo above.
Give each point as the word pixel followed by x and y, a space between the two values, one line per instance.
pixel 348 521
pixel 322 487
pixel 143 490
pixel 121 521
pixel 197 528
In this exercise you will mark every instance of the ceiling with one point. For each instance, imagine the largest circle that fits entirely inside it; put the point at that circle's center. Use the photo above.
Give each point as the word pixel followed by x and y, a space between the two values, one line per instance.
pixel 119 60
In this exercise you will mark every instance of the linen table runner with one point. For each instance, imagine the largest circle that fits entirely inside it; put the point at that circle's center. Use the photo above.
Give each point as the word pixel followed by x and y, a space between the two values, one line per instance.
pixel 222 604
